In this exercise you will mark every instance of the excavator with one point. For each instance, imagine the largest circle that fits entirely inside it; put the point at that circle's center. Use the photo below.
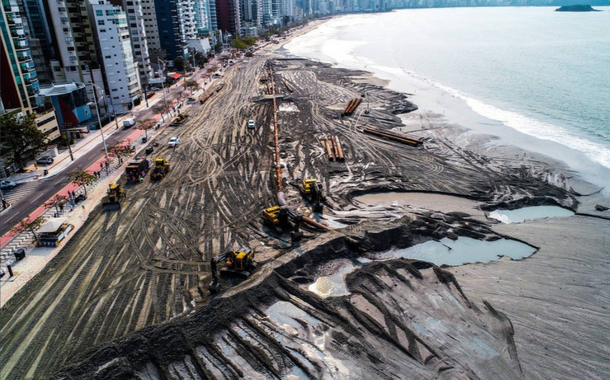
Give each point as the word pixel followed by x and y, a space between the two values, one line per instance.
pixel 114 196
pixel 239 262
pixel 313 193
pixel 280 218
pixel 161 169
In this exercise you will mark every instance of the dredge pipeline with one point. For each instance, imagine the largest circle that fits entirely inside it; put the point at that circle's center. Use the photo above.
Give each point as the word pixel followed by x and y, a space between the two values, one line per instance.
pixel 351 106
pixel 275 134
pixel 392 136
pixel 280 187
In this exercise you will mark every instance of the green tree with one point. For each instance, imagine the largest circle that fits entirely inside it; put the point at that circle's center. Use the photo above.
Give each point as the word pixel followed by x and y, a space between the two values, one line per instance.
pixel 20 137
pixel 179 64
pixel 56 202
pixel 146 125
pixel 30 225
pixel 82 178
pixel 192 85
pixel 121 149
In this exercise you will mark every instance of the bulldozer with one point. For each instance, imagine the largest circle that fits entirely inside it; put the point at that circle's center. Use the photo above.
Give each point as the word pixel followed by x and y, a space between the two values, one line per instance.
pixel 239 262
pixel 179 120
pixel 280 218
pixel 161 169
pixel 114 196
pixel 313 193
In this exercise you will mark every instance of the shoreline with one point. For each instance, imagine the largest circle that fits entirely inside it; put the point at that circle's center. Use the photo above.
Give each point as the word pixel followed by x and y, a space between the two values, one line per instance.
pixel 442 105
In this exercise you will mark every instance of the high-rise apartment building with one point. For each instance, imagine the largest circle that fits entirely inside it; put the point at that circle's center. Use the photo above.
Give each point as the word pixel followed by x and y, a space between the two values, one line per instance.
pixel 203 21
pixel 113 43
pixel 39 35
pixel 76 58
pixel 169 25
pixel 139 42
pixel 228 15
pixel 19 85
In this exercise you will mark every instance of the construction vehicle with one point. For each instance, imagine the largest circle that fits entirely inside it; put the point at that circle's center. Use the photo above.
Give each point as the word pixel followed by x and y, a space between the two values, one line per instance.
pixel 313 193
pixel 280 218
pixel 114 196
pixel 239 262
pixel 179 120
pixel 136 169
pixel 161 169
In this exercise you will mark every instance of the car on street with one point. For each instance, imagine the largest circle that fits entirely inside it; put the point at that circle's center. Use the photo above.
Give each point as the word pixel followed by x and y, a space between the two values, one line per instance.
pixel 174 141
pixel 45 160
pixel 7 184
pixel 129 122
pixel 154 89
pixel 251 124
pixel 191 101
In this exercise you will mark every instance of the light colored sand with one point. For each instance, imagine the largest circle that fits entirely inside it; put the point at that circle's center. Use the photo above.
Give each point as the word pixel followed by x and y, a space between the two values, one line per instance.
pixel 558 300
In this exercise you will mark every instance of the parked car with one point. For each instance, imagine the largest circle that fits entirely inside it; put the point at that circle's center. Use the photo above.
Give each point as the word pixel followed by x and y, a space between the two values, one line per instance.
pixel 174 141
pixel 7 184
pixel 45 160
pixel 251 124
pixel 191 101
pixel 154 89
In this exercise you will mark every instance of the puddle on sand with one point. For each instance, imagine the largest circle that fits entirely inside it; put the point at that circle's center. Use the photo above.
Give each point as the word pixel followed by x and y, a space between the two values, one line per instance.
pixel 333 285
pixel 285 313
pixel 529 213
pixel 464 250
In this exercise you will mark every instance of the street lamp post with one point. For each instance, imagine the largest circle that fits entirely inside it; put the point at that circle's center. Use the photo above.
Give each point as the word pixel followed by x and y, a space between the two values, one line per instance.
pixel 162 83
pixel 116 122
pixel 99 121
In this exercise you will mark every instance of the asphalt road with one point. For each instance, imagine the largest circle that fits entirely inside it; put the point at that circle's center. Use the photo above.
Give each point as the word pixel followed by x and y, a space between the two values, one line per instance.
pixel 46 188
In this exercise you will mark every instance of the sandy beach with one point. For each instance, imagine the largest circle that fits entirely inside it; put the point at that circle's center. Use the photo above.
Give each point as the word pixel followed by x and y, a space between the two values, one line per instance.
pixel 128 298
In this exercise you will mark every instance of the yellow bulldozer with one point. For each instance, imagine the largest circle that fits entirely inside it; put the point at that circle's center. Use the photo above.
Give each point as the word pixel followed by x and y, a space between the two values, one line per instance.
pixel 114 196
pixel 161 169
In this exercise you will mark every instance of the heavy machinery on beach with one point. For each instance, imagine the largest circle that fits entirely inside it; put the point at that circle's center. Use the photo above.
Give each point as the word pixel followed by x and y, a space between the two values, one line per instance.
pixel 239 262
pixel 161 169
pixel 312 191
pixel 136 169
pixel 114 196
pixel 284 218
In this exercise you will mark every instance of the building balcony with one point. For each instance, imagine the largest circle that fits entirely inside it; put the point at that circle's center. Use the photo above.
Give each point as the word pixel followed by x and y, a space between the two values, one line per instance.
pixel 26 58
pixel 30 81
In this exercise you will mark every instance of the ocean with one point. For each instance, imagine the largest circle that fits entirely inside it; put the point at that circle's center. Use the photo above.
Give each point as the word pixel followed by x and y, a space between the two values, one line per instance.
pixel 543 77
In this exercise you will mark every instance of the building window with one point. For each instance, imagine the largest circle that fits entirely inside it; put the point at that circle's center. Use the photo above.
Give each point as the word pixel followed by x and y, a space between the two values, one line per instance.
pixel 100 22
pixel 102 30
pixel 68 39
pixel 99 13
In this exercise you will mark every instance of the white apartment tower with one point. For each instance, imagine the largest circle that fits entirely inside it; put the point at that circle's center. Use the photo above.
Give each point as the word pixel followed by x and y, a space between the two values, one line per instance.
pixel 139 43
pixel 113 44
pixel 152 29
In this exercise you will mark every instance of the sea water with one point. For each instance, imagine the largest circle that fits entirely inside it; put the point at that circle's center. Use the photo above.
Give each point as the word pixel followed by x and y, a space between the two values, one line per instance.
pixel 542 77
